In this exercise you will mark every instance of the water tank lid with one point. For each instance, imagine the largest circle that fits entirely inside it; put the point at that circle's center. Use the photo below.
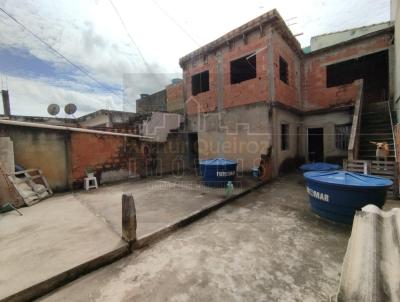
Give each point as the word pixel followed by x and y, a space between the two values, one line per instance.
pixel 319 167
pixel 217 162
pixel 348 179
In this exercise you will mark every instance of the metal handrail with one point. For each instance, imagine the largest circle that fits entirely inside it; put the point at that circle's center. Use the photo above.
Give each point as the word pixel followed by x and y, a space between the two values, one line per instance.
pixel 355 128
pixel 393 133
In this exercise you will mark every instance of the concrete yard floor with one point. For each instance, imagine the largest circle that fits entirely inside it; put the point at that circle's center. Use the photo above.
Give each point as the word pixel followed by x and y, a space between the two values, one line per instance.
pixel 51 237
pixel 159 201
pixel 68 230
pixel 266 246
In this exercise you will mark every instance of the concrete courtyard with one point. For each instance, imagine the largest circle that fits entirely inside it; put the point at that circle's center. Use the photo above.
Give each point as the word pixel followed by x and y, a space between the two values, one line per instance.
pixel 265 246
pixel 69 230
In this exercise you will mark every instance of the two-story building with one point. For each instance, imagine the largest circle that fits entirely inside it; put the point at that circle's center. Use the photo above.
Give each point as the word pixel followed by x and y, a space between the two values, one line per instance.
pixel 254 91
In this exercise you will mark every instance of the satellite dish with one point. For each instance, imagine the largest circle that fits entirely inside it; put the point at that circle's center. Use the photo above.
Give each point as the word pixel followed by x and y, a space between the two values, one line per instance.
pixel 70 109
pixel 53 109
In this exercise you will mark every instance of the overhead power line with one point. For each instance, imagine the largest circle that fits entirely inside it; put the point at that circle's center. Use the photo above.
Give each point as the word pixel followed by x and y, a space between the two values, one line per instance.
pixel 129 35
pixel 175 22
pixel 81 69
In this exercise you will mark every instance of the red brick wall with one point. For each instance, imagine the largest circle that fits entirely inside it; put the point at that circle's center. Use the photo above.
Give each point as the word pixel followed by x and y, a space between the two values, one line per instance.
pixel 315 94
pixel 175 97
pixel 247 92
pixel 206 101
pixel 288 94
pixel 102 152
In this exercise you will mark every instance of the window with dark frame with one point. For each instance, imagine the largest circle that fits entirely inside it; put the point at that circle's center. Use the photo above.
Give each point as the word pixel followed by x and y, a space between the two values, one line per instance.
pixel 200 82
pixel 284 136
pixel 283 70
pixel 244 69
pixel 342 136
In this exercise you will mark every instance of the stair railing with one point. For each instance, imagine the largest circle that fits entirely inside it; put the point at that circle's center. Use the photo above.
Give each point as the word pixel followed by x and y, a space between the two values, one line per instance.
pixel 393 133
pixel 354 142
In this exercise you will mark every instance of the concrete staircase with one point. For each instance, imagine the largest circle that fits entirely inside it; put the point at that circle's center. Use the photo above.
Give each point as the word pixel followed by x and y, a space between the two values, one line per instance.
pixel 375 126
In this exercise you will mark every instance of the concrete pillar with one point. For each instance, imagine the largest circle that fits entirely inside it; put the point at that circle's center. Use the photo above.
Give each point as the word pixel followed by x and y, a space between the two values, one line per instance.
pixel 7 154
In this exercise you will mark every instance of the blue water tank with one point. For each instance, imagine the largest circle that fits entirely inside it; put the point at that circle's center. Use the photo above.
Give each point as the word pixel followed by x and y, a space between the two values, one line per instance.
pixel 337 195
pixel 217 172
pixel 319 167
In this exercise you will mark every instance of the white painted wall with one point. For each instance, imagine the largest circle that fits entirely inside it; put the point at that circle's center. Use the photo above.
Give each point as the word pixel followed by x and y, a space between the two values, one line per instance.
pixel 395 16
pixel 160 125
pixel 326 40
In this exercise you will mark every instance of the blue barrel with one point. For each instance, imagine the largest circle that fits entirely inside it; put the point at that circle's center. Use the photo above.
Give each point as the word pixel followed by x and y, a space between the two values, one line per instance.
pixel 217 172
pixel 337 195
pixel 319 167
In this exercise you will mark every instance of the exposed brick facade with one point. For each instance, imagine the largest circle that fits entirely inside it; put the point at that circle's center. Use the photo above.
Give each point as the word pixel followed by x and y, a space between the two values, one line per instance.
pixel 175 99
pixel 250 91
pixel 126 156
pixel 315 94
pixel 306 88
pixel 288 94
pixel 299 88
pixel 102 153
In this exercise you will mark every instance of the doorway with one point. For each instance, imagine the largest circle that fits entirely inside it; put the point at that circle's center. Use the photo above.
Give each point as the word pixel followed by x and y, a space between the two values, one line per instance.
pixel 316 144
pixel 193 150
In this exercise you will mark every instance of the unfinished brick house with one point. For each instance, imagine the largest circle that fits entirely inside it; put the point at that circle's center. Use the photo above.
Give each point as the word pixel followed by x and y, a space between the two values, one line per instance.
pixel 254 91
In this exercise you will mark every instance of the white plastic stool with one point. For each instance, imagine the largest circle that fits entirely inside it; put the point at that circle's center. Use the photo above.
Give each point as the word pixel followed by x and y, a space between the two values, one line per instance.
pixel 91 183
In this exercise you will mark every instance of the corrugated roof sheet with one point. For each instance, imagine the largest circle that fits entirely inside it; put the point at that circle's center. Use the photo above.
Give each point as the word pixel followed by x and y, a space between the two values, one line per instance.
pixel 371 267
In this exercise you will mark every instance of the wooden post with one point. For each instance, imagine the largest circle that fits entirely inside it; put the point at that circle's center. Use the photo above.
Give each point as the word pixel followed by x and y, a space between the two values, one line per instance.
pixel 129 223
pixel 345 163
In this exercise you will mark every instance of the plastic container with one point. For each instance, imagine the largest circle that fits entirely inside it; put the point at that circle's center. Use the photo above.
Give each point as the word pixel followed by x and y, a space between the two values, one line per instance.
pixel 255 173
pixel 337 195
pixel 217 172
pixel 319 167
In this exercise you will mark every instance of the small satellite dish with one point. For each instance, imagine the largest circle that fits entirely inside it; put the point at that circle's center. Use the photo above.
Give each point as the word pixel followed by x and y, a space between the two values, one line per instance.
pixel 53 109
pixel 70 109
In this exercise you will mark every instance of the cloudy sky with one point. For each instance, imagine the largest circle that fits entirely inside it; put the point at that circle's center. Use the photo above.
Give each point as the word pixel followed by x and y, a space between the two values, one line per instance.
pixel 90 35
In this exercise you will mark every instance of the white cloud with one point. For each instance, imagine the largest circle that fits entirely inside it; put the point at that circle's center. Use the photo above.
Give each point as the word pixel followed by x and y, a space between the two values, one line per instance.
pixel 31 97
pixel 90 34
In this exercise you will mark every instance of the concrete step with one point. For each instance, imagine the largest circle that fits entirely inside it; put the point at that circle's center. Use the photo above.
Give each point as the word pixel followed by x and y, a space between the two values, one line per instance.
pixel 365 131
pixel 375 120
pixel 376 136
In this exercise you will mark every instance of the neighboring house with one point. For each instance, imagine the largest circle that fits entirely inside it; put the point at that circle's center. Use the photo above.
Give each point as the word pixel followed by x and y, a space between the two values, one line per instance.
pixel 111 119
pixel 169 99
pixel 175 98
pixel 156 102
pixel 254 90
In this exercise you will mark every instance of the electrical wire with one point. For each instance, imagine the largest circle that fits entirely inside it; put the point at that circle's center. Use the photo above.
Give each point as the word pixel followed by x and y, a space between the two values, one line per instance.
pixel 175 22
pixel 82 70
pixel 129 35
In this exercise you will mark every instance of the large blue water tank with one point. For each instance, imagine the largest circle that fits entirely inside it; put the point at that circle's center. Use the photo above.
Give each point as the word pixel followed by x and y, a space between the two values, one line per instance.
pixel 337 195
pixel 217 172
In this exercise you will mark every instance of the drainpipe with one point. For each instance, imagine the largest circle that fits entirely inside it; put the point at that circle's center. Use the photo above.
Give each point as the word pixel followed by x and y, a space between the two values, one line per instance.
pixel 6 102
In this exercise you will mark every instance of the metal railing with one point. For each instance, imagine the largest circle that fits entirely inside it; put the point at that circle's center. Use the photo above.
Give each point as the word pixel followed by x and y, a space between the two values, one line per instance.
pixel 354 141
pixel 393 133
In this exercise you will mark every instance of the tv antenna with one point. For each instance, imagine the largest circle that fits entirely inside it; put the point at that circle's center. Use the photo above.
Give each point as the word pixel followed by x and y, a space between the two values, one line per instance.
pixel 70 109
pixel 53 109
